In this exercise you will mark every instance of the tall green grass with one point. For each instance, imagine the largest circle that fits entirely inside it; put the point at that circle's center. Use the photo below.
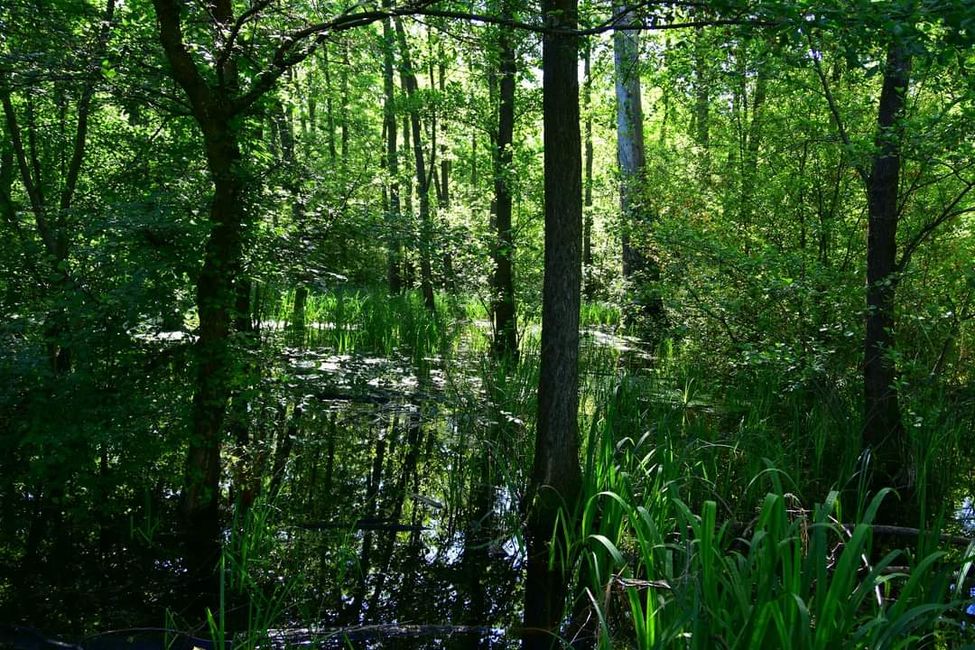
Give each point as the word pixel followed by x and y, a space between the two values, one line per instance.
pixel 691 536
pixel 371 322
pixel 694 531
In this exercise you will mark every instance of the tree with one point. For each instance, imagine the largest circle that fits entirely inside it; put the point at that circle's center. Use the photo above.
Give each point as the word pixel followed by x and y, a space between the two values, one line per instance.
pixel 556 475
pixel 883 429
pixel 411 88
pixel 219 96
pixel 393 218
pixel 503 298
pixel 884 437
pixel 53 223
pixel 638 268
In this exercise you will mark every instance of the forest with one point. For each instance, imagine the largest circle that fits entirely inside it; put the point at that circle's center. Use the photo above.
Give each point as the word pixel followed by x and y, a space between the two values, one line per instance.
pixel 487 324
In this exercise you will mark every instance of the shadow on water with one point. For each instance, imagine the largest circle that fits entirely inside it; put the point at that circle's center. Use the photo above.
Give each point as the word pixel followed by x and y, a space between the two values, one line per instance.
pixel 364 508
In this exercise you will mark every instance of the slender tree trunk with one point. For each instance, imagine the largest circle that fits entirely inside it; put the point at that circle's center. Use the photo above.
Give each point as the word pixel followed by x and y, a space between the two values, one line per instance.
pixel 638 269
pixel 753 142
pixel 444 159
pixel 329 109
pixel 587 215
pixel 344 115
pixel 422 180
pixel 883 430
pixel 556 475
pixel 409 268
pixel 503 300
pixel 450 275
pixel 393 218
pixel 702 103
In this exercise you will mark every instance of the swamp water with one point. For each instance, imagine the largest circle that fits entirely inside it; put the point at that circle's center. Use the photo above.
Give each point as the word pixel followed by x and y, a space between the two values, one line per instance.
pixel 384 501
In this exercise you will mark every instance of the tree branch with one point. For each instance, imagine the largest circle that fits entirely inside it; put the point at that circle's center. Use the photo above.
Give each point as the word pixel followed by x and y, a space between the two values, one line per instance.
pixel 946 215
pixel 835 111
pixel 84 108
pixel 184 70
pixel 35 197
pixel 285 56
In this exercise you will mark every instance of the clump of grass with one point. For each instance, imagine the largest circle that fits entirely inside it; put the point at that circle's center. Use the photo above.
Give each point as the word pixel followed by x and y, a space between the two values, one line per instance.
pixel 599 314
pixel 661 573
pixel 373 322
pixel 791 580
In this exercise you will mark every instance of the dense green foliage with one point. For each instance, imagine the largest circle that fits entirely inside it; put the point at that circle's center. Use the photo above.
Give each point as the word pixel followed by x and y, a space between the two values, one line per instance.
pixel 732 476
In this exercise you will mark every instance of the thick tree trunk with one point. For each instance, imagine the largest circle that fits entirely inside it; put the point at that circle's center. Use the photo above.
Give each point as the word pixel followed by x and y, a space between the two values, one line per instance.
pixel 638 269
pixel 556 476
pixel 503 301
pixel 215 304
pixel 883 430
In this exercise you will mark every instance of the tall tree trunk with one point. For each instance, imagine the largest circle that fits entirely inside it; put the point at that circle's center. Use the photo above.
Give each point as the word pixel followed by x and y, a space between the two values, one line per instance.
pixel 450 283
pixel 556 475
pixel 587 215
pixel 444 159
pixel 753 143
pixel 408 266
pixel 393 219
pixel 883 431
pixel 214 358
pixel 344 114
pixel 702 102
pixel 503 299
pixel 329 109
pixel 214 112
pixel 638 269
pixel 422 180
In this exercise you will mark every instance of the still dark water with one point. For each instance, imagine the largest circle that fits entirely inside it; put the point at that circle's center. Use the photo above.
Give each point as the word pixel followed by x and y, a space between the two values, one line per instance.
pixel 381 516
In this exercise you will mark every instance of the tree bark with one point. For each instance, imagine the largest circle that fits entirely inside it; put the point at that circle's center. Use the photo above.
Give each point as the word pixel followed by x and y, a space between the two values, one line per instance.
pixel 883 431
pixel 214 110
pixel 587 215
pixel 638 269
pixel 393 219
pixel 753 143
pixel 556 475
pixel 702 102
pixel 409 83
pixel 215 305
pixel 443 193
pixel 329 108
pixel 503 300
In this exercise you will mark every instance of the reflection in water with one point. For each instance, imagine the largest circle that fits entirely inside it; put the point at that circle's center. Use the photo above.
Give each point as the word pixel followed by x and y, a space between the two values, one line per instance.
pixel 379 513
pixel 397 505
